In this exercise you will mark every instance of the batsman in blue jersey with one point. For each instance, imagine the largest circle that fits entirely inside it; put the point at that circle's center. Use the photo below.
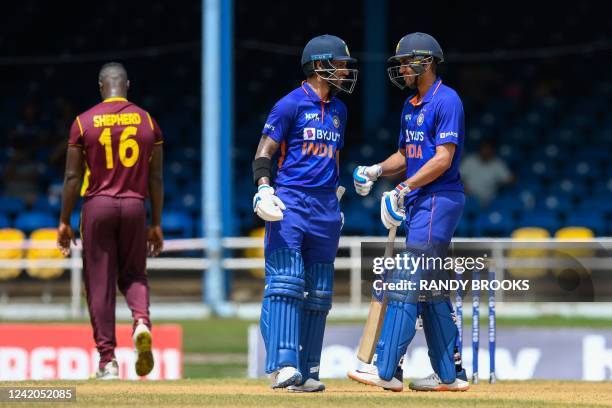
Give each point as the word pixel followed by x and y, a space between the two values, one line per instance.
pixel 429 150
pixel 302 213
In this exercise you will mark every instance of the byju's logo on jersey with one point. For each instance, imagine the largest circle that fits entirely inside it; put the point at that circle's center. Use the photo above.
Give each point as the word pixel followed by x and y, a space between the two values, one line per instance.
pixel 309 133
pixel 311 116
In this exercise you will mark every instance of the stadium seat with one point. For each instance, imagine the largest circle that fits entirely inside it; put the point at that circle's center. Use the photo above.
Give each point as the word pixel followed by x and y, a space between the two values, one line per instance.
pixel 574 234
pixel 541 219
pixel 46 237
pixel 48 204
pixel 177 224
pixel 11 206
pixel 30 221
pixel 4 222
pixel 10 236
pixel 494 224
pixel 592 220
pixel 528 234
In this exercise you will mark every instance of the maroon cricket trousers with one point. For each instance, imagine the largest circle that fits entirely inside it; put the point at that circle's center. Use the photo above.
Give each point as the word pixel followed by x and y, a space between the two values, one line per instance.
pixel 114 236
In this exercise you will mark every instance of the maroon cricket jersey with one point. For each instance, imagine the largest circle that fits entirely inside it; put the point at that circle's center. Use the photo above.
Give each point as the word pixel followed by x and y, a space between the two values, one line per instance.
pixel 117 138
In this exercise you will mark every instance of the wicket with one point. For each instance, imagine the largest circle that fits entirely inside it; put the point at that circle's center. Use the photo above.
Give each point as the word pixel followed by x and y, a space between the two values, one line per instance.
pixel 476 327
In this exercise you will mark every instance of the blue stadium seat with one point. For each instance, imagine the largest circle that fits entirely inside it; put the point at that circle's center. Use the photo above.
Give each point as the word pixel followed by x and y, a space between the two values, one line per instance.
pixel 494 224
pixel 49 204
pixel 593 220
pixel 465 228
pixel 554 202
pixel 11 205
pixel 32 220
pixel 472 208
pixel 177 224
pixel 4 221
pixel 548 220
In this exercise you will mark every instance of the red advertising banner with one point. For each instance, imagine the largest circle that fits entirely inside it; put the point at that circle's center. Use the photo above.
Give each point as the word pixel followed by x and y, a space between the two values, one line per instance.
pixel 67 351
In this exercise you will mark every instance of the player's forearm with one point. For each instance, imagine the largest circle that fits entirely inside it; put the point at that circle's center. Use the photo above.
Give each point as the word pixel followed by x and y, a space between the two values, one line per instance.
pixel 267 148
pixel 70 193
pixel 394 164
pixel 430 171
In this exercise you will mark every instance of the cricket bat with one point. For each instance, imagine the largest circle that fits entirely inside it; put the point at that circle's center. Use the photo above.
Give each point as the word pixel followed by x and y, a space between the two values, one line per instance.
pixel 376 314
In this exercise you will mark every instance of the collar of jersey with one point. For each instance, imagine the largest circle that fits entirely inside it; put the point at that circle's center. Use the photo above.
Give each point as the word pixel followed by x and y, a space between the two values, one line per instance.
pixel 115 99
pixel 311 93
pixel 430 93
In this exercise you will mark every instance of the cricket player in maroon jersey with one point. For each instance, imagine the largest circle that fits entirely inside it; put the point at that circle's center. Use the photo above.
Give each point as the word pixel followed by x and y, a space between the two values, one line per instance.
pixel 116 147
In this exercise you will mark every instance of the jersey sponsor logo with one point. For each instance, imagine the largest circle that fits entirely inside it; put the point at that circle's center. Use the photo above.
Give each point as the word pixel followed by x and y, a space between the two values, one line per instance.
pixel 318 149
pixel 408 117
pixel 309 133
pixel 320 134
pixel 444 135
pixel 414 136
pixel 414 151
pixel 420 119
pixel 336 121
pixel 269 126
pixel 311 116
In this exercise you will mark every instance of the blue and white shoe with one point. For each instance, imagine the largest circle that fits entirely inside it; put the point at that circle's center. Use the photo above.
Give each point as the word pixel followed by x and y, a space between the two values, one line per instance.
pixel 285 377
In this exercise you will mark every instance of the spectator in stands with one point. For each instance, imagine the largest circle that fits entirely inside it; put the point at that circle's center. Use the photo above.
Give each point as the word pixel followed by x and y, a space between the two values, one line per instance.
pixel 484 172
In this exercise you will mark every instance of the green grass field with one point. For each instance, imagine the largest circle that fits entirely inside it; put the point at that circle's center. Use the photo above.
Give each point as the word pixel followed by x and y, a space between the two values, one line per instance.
pixel 340 393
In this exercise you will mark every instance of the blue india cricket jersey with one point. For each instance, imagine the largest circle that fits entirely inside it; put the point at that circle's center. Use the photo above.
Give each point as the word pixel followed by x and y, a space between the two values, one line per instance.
pixel 435 120
pixel 311 133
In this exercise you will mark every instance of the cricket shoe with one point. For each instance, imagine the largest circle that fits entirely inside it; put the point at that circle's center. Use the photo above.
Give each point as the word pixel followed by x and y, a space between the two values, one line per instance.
pixel 433 383
pixel 285 377
pixel 369 376
pixel 109 372
pixel 310 385
pixel 142 342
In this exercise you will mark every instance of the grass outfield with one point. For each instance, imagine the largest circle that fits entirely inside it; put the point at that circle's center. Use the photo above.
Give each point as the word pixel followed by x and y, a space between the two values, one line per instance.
pixel 340 393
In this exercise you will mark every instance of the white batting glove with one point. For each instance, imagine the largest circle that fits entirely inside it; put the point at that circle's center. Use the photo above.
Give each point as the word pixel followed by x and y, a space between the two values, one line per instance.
pixel 266 205
pixel 392 212
pixel 364 177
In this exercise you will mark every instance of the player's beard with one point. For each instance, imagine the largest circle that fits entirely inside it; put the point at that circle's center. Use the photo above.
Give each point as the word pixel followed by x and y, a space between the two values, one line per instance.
pixel 411 82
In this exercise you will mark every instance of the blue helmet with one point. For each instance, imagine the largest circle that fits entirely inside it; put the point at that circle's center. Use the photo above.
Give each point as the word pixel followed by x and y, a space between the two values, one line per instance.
pixel 327 49
pixel 421 49
pixel 417 44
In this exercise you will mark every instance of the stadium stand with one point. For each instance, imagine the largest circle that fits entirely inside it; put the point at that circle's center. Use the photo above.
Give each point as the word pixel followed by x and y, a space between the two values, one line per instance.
pixel 554 137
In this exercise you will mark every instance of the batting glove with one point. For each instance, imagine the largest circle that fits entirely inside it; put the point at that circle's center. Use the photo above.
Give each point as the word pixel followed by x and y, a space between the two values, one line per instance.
pixel 392 212
pixel 364 177
pixel 266 205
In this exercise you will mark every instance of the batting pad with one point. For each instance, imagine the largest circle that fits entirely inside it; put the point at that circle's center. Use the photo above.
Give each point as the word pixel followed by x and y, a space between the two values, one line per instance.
pixel 397 332
pixel 317 303
pixel 441 334
pixel 281 314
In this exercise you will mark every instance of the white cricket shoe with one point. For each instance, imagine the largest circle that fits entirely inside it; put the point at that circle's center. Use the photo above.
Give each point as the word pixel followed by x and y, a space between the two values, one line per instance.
pixel 109 372
pixel 143 343
pixel 310 385
pixel 433 383
pixel 285 377
pixel 369 376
